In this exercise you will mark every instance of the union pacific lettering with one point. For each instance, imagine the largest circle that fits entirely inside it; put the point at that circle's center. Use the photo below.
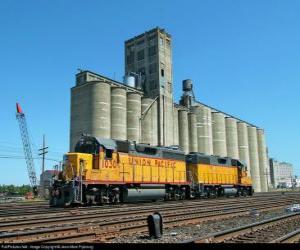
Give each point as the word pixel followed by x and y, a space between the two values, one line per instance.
pixel 152 162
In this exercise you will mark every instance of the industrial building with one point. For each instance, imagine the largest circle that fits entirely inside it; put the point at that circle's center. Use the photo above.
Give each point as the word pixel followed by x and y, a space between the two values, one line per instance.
pixel 281 173
pixel 142 109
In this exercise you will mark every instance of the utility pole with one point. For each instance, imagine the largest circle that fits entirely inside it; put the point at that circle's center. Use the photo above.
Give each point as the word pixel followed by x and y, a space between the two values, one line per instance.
pixel 43 152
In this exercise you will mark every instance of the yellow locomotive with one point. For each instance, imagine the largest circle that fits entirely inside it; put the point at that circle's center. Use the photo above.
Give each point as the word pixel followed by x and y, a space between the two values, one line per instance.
pixel 103 171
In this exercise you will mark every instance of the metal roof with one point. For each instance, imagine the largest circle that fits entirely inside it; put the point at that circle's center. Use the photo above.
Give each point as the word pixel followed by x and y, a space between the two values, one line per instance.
pixel 107 143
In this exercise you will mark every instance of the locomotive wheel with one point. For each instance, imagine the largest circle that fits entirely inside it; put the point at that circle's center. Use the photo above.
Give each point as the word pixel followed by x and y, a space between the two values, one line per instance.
pixel 214 193
pixel 176 194
pixel 182 195
pixel 101 201
pixel 244 192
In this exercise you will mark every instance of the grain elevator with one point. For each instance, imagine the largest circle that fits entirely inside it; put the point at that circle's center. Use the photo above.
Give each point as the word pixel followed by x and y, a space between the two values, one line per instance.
pixel 142 109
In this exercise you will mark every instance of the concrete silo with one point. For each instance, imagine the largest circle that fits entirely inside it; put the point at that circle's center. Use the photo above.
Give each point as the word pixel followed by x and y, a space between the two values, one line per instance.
pixel 79 114
pixel 118 113
pixel 90 111
pixel 254 161
pixel 175 126
pixel 232 138
pixel 192 130
pixel 204 129
pixel 263 160
pixel 100 113
pixel 146 122
pixel 219 134
pixel 133 116
pixel 183 130
pixel 243 145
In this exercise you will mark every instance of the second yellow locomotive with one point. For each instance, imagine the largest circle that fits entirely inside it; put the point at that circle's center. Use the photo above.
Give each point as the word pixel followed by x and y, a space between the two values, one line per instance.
pixel 102 171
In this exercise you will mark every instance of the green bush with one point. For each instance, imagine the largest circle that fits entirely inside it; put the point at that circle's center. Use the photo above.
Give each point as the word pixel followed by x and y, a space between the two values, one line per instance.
pixel 12 189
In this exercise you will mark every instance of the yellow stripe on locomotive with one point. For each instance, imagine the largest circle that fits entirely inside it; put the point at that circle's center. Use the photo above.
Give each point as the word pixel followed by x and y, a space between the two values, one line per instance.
pixel 114 166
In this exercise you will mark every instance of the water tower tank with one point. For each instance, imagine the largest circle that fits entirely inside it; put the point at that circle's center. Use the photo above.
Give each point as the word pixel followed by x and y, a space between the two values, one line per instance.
pixel 187 85
pixel 129 81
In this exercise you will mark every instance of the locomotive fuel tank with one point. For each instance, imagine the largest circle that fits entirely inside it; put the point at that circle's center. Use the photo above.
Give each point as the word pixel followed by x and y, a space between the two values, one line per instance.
pixel 143 193
pixel 230 191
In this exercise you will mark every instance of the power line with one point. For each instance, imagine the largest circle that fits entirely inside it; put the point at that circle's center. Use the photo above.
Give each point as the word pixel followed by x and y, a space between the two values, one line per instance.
pixel 17 157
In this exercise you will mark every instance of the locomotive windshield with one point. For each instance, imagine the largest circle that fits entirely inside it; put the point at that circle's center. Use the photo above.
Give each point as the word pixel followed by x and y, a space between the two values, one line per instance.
pixel 87 145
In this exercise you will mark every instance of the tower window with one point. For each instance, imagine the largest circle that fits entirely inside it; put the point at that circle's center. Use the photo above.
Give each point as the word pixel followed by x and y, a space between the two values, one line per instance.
pixel 140 55
pixel 168 43
pixel 161 41
pixel 152 50
pixel 162 72
pixel 152 37
pixel 140 42
pixel 152 68
pixel 130 58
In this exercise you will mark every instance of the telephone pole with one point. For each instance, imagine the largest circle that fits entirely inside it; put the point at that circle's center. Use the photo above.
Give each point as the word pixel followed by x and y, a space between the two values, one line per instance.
pixel 43 152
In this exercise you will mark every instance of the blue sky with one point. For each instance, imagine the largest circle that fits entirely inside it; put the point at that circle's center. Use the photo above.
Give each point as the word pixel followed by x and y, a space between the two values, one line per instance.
pixel 243 57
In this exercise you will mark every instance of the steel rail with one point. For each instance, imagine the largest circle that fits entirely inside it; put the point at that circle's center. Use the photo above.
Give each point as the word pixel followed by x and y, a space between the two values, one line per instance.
pixel 226 235
pixel 110 229
pixel 291 237
pixel 98 216
pixel 203 202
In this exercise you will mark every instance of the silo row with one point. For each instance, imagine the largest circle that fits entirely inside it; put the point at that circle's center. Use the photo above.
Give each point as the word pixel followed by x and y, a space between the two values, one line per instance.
pixel 224 136
pixel 102 110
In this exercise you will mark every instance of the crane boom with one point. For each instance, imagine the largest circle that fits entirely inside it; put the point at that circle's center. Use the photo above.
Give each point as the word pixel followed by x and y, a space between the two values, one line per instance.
pixel 26 146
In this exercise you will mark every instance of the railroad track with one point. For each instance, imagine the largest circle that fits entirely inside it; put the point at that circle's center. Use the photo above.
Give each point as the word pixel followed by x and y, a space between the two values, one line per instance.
pixel 115 223
pixel 7 223
pixel 279 229
pixel 292 237
pixel 41 208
